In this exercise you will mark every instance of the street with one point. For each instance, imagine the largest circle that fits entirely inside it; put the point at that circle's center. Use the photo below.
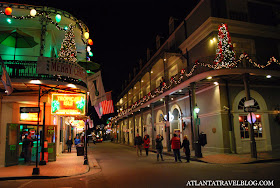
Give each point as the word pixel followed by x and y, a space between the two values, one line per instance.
pixel 120 167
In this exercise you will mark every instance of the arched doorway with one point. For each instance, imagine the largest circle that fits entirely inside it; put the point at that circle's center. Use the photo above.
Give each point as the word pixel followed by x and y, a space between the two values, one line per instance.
pixel 241 126
pixel 176 122
pixel 160 126
pixel 148 125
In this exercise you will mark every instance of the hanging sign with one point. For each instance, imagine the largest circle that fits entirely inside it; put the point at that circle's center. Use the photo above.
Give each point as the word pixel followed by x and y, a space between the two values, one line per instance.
pixel 54 66
pixel 68 104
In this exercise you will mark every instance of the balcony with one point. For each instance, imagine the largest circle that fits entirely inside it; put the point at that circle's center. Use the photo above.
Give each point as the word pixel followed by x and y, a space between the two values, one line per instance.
pixel 28 70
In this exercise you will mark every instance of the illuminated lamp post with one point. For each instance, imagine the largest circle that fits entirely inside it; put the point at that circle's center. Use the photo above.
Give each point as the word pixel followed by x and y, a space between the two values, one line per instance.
pixel 197 145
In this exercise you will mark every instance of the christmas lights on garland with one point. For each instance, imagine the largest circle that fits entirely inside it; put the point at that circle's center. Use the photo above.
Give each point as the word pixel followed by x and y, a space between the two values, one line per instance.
pixel 7 12
pixel 183 74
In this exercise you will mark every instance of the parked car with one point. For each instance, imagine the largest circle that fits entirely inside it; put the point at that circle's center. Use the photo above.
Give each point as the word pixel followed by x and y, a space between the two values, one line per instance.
pixel 99 139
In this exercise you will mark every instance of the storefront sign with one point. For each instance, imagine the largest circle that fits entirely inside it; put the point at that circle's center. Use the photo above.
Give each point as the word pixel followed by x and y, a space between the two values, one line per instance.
pixel 68 104
pixel 33 117
pixel 54 66
pixel 29 109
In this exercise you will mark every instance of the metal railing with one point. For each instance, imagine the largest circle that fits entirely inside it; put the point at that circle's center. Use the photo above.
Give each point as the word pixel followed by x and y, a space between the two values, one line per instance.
pixel 27 70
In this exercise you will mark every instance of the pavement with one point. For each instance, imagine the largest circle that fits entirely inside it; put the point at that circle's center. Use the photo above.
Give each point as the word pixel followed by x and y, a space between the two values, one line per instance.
pixel 69 164
pixel 227 158
pixel 66 165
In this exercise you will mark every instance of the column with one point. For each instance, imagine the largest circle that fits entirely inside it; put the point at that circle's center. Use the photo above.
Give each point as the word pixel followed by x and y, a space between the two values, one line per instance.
pixel 43 21
pixel 167 123
pixel 142 122
pixel 251 130
pixel 153 126
pixel 196 120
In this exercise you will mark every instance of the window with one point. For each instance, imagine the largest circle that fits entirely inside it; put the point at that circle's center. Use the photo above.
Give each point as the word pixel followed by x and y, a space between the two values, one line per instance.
pixel 244 127
pixel 242 101
pixel 244 124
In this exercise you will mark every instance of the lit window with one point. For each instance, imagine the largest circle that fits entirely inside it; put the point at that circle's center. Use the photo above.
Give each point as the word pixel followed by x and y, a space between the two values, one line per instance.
pixel 244 127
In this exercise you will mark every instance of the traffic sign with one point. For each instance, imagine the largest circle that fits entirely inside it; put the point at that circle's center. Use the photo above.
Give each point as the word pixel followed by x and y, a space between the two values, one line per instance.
pixel 250 109
pixel 29 109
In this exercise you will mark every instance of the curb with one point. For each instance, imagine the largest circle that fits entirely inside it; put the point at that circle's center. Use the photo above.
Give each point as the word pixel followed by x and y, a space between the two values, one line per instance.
pixel 46 177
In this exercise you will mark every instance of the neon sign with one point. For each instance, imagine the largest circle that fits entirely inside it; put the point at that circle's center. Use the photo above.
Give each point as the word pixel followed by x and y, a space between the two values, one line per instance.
pixel 68 104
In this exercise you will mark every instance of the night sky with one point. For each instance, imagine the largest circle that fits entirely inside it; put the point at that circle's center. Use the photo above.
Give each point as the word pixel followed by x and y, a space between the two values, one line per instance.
pixel 122 30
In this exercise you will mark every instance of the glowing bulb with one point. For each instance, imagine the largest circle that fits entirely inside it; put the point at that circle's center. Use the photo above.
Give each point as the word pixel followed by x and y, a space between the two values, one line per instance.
pixel 90 53
pixel 9 20
pixel 88 48
pixel 268 76
pixel 86 35
pixel 33 12
pixel 209 78
pixel 58 18
pixel 216 83
pixel 8 11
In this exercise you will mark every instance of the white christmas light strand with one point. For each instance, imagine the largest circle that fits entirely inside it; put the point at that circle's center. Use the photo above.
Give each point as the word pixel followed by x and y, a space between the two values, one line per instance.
pixel 183 75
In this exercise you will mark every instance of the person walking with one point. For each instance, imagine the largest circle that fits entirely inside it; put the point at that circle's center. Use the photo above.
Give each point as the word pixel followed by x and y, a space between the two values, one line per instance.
pixel 77 140
pixel 159 146
pixel 27 145
pixel 146 144
pixel 176 145
pixel 186 147
pixel 94 139
pixel 69 144
pixel 138 141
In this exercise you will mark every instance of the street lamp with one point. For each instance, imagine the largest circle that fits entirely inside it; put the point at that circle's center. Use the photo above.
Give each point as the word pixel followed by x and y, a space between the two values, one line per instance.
pixel 196 110
pixel 197 144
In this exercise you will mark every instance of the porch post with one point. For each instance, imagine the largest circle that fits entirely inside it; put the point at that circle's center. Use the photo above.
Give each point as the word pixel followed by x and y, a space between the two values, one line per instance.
pixel 251 130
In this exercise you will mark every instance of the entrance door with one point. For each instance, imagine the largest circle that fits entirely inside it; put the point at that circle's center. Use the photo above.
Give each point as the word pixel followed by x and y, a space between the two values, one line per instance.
pixel 12 140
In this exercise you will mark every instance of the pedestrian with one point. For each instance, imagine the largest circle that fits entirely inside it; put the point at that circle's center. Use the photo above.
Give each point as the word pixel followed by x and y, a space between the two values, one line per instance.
pixel 146 144
pixel 77 140
pixel 69 144
pixel 176 145
pixel 138 141
pixel 94 139
pixel 27 145
pixel 186 147
pixel 159 146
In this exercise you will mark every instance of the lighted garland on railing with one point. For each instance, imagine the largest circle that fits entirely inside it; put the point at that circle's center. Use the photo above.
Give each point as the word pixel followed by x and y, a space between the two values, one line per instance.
pixel 183 75
pixel 33 14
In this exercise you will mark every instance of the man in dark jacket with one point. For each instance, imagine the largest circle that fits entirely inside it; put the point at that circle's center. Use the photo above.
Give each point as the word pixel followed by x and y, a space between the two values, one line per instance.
pixel 138 141
pixel 69 144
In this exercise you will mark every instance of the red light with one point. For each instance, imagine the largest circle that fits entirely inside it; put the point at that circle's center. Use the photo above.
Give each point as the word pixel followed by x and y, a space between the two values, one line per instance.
pixel 8 11
pixel 90 42
pixel 240 119
pixel 258 116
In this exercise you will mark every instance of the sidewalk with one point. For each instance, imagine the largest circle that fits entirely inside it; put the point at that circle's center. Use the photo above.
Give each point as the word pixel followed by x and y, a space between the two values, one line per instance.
pixel 66 164
pixel 227 158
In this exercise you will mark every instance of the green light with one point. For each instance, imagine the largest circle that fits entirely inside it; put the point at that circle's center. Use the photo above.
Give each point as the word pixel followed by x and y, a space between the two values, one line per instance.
pixel 65 28
pixel 90 53
pixel 55 106
pixel 81 103
pixel 58 18
pixel 21 127
pixel 9 20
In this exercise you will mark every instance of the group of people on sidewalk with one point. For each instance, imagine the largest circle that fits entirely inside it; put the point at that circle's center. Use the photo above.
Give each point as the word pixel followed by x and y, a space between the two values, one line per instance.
pixel 175 146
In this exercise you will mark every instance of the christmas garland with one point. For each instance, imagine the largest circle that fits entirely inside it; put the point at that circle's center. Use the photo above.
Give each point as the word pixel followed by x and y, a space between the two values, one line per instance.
pixel 183 74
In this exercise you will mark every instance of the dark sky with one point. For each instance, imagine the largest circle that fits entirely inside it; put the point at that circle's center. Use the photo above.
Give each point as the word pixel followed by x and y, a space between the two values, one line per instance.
pixel 121 30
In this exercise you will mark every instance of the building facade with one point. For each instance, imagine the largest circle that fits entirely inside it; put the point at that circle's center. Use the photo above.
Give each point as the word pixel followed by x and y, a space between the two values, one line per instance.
pixel 186 72
pixel 40 78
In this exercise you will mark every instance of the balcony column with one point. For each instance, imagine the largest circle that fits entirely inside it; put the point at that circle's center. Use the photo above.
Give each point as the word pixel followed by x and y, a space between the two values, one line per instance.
pixel 134 130
pixel 167 125
pixel 44 22
pixel 140 89
pixel 251 129
pixel 196 123
pixel 165 63
pixel 153 126
pixel 150 76
pixel 142 122
pixel 129 131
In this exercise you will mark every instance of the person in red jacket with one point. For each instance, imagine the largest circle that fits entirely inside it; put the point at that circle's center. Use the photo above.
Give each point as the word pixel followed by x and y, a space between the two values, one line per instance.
pixel 176 145
pixel 146 144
